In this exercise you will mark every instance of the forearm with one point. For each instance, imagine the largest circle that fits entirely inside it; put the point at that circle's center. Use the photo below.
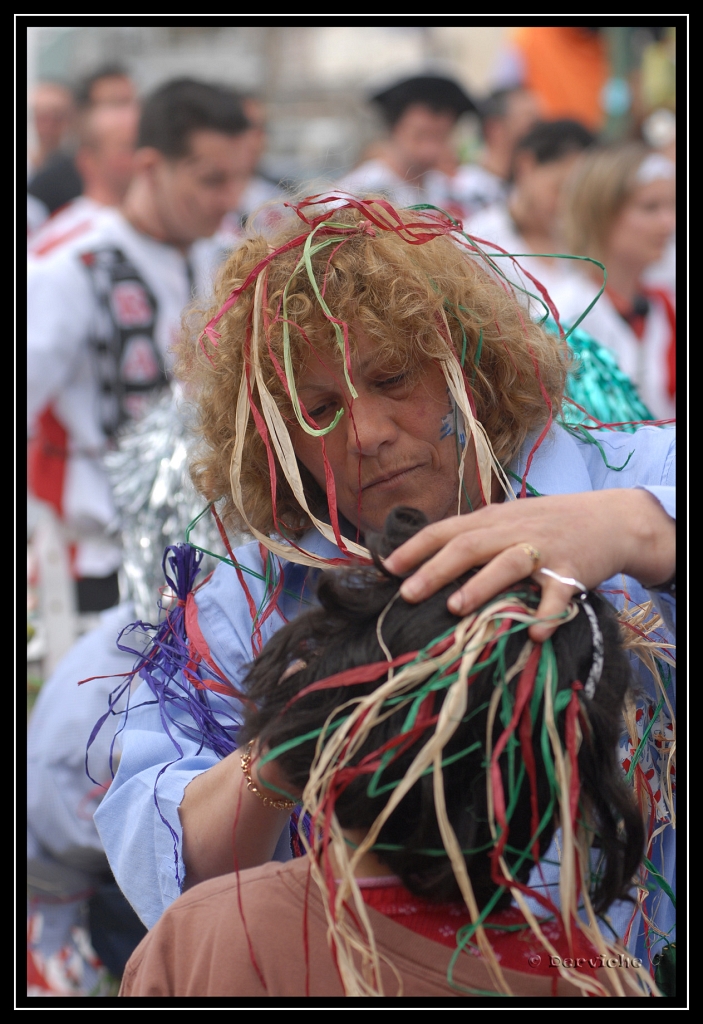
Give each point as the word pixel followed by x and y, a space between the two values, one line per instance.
pixel 652 553
pixel 225 826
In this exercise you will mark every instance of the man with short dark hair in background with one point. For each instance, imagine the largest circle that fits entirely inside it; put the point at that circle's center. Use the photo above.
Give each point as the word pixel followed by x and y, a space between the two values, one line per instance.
pixel 104 309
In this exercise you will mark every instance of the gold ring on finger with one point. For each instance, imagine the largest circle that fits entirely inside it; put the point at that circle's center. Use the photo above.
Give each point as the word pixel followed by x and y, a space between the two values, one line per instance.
pixel 531 552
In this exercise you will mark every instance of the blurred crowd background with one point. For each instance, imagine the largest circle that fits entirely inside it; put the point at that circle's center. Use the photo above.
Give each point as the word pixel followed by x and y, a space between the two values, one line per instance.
pixel 313 82
pixel 540 140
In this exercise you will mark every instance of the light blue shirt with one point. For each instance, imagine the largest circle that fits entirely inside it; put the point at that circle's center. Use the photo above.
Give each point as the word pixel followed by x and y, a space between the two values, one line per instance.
pixel 143 842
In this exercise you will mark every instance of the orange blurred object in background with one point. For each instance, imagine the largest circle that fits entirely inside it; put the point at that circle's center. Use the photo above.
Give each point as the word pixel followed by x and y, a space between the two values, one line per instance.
pixel 567 67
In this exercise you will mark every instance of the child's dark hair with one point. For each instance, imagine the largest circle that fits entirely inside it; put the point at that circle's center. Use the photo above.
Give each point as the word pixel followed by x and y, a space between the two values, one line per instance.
pixel 552 140
pixel 342 634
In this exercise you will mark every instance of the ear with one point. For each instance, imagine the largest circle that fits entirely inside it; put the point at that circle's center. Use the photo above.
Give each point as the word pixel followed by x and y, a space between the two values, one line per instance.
pixel 147 159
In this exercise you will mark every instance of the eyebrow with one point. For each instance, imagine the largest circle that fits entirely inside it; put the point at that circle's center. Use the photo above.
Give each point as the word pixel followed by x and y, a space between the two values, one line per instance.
pixel 369 365
pixel 330 386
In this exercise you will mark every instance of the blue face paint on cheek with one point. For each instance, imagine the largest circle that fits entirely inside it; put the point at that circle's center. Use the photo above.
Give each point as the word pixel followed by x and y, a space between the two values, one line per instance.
pixel 446 427
pixel 452 422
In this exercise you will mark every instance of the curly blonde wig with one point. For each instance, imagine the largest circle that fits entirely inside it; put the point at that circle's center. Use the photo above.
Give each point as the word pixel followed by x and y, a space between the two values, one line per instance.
pixel 431 299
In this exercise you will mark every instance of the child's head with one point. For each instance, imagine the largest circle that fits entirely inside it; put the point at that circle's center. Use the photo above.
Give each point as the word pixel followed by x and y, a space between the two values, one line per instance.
pixel 526 733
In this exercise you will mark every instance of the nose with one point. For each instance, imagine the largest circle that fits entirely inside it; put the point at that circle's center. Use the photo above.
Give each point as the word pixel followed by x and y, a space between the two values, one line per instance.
pixel 370 425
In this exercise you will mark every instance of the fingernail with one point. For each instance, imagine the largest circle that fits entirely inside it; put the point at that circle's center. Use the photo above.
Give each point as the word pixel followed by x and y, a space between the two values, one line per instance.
pixel 411 590
pixel 455 604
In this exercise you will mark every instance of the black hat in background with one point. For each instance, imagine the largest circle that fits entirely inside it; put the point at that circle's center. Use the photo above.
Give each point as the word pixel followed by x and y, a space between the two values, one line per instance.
pixel 434 91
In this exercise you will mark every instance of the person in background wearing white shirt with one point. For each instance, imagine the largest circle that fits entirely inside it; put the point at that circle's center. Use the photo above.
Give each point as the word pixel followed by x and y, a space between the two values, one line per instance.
pixel 104 311
pixel 506 116
pixel 37 215
pixel 622 212
pixel 421 114
pixel 62 177
pixel 53 111
pixel 659 132
pixel 105 162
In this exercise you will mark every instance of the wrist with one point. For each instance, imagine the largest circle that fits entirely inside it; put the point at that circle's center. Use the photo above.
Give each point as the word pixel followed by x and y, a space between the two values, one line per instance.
pixel 652 560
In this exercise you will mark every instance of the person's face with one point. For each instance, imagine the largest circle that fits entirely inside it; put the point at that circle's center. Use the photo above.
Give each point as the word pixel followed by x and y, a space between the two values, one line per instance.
pixel 421 137
pixel 645 224
pixel 53 111
pixel 194 192
pixel 395 443
pixel 113 91
pixel 106 158
pixel 541 188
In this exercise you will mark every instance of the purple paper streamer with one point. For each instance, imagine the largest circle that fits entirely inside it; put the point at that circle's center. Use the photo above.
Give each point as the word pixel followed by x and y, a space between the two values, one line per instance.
pixel 195 713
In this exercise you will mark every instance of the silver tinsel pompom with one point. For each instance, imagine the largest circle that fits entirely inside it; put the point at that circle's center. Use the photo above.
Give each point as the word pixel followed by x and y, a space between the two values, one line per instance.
pixel 156 502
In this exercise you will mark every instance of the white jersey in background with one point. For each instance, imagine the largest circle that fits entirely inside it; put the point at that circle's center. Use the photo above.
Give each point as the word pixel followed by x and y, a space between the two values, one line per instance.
pixel 375 177
pixel 37 214
pixel 472 189
pixel 649 361
pixel 662 274
pixel 66 224
pixel 109 282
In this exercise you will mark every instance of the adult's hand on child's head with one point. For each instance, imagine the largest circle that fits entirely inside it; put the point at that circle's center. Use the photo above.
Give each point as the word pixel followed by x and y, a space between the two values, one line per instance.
pixel 586 537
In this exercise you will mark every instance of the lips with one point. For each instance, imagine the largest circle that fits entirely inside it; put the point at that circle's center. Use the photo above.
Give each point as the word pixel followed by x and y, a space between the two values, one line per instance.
pixel 390 478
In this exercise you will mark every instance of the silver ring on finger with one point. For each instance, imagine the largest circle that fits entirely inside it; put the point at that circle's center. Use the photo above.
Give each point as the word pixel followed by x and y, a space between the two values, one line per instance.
pixel 568 581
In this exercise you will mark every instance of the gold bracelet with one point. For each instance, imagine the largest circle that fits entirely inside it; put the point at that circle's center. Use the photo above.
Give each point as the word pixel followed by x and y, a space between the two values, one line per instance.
pixel 278 805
